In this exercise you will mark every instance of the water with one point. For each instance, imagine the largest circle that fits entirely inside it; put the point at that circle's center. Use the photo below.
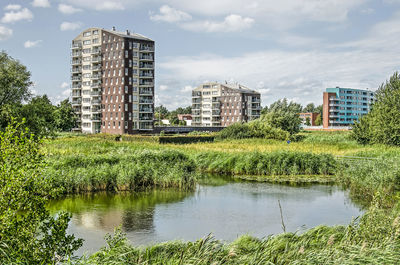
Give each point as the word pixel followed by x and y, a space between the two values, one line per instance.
pixel 226 209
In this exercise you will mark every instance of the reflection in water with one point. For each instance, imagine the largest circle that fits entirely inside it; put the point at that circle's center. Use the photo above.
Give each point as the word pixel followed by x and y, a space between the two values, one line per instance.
pixel 222 207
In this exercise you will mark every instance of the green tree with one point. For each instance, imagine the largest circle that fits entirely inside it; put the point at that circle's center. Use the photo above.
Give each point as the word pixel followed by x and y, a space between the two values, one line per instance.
pixel 318 120
pixel 160 112
pixel 382 124
pixel 64 115
pixel 14 81
pixel 28 233
pixel 309 108
pixel 308 121
pixel 284 115
pixel 39 116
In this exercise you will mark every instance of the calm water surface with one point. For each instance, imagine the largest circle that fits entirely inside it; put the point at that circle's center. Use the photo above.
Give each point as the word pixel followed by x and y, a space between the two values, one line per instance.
pixel 227 209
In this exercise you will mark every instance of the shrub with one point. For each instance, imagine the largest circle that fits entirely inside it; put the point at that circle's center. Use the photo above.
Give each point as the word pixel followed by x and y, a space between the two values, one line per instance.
pixel 28 233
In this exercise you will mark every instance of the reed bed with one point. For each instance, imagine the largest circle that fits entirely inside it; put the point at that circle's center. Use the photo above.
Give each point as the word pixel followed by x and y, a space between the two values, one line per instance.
pixel 137 170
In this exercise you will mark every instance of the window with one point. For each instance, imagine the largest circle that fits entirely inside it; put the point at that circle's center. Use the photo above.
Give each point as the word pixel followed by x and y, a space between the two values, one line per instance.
pixel 135 54
pixel 87 33
pixel 135 106
pixel 134 89
pixel 126 71
pixel 87 42
pixel 95 32
pixel 126 107
pixel 126 54
pixel 95 41
pixel 126 89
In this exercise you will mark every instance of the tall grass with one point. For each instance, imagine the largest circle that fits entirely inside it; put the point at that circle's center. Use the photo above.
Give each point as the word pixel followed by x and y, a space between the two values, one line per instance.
pixel 276 163
pixel 137 170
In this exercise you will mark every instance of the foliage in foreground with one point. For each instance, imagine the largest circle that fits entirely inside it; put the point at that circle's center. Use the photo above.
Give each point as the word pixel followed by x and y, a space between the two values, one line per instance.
pixel 28 233
pixel 374 239
pixel 382 124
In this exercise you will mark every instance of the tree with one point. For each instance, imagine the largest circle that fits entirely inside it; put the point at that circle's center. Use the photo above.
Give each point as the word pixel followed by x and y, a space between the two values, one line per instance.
pixel 39 116
pixel 284 115
pixel 64 116
pixel 160 112
pixel 309 108
pixel 308 121
pixel 382 124
pixel 318 120
pixel 14 81
pixel 28 233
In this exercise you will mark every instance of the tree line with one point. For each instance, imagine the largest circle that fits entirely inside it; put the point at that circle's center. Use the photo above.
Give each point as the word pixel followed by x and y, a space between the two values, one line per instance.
pixel 17 102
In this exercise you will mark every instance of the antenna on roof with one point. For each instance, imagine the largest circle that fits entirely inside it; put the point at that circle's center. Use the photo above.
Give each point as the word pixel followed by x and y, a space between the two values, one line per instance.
pixel 113 28
pixel 127 32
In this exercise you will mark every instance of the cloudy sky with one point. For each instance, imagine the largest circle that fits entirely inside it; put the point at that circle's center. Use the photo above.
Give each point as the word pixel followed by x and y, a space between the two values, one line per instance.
pixel 285 48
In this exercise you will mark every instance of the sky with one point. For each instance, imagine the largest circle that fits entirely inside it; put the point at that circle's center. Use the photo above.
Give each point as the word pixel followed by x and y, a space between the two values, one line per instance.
pixel 286 48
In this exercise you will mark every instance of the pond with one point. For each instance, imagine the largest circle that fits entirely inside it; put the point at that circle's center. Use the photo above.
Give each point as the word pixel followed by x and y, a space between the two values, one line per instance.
pixel 220 206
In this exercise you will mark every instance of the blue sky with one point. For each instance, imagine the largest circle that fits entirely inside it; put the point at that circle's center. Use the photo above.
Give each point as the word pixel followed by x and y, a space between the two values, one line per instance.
pixel 286 48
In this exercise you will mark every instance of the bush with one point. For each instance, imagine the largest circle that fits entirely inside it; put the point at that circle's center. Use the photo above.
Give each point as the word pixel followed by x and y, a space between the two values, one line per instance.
pixel 185 139
pixel 28 233
pixel 381 125
pixel 256 129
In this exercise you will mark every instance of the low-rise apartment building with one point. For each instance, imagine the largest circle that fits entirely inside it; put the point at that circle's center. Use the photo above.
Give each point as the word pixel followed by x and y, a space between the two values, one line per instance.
pixel 216 104
pixel 343 106
pixel 311 116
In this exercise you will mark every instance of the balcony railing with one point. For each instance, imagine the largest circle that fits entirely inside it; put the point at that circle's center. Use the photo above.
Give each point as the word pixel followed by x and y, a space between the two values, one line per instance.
pixel 96 85
pixel 145 92
pixel 76 86
pixel 147 58
pixel 76 46
pixel 76 102
pixel 75 62
pixel 76 54
pixel 95 93
pixel 95 77
pixel 146 110
pixel 146 83
pixel 76 70
pixel 146 101
pixel 76 78
pixel 150 49
pixel 96 68
pixel 146 65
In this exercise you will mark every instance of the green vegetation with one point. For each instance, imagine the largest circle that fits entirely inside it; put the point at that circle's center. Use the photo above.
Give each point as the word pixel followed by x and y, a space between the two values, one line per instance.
pixel 28 233
pixel 382 124
pixel 125 170
pixel 16 101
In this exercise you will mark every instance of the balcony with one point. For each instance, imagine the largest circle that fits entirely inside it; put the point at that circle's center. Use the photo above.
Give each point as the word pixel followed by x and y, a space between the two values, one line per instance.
pixel 76 62
pixel 78 86
pixel 95 85
pixel 95 51
pixel 146 58
pixel 95 77
pixel 76 46
pixel 145 91
pixel 95 93
pixel 333 116
pixel 76 70
pixel 146 101
pixel 96 60
pixel 76 78
pixel 96 101
pixel 146 75
pixel 76 54
pixel 76 103
pixel 256 100
pixel 146 110
pixel 96 68
pixel 76 95
pixel 146 66
pixel 148 49
pixel 144 83
pixel 145 126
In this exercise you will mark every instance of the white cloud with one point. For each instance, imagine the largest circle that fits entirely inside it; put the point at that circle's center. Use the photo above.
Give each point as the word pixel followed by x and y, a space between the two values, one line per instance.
pixel 231 23
pixel 368 11
pixel 13 7
pixel 14 16
pixel 64 85
pixel 163 87
pixel 5 33
pixel 104 5
pixel 169 14
pixel 31 44
pixel 67 9
pixel 70 26
pixel 41 3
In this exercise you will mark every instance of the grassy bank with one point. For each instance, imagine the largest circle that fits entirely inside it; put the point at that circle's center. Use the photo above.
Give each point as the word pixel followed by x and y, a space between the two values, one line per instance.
pixel 370 172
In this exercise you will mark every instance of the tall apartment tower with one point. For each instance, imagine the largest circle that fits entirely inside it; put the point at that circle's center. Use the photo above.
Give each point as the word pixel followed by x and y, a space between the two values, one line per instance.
pixel 343 106
pixel 215 104
pixel 112 79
